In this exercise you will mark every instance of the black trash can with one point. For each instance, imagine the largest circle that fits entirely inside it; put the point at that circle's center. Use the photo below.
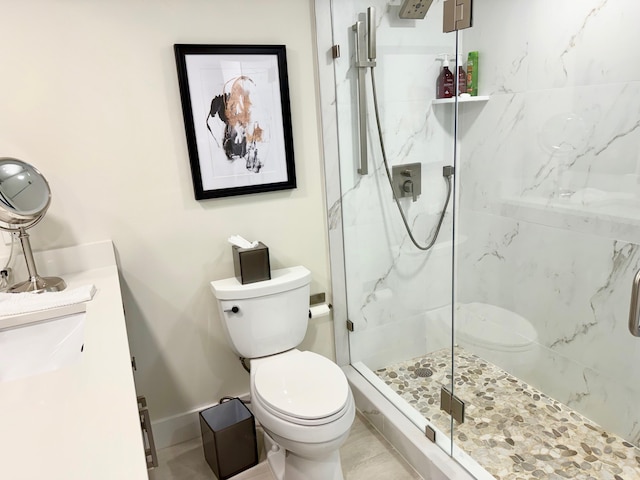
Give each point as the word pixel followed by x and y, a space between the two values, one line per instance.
pixel 229 438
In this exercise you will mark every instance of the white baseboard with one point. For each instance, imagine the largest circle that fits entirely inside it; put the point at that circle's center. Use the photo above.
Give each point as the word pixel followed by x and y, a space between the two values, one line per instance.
pixel 182 427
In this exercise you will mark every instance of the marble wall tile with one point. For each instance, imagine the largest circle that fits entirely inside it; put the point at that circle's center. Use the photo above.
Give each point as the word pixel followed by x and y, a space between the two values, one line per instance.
pixel 491 153
pixel 504 65
pixel 574 49
pixel 574 289
pixel 552 43
pixel 563 122
pixel 388 281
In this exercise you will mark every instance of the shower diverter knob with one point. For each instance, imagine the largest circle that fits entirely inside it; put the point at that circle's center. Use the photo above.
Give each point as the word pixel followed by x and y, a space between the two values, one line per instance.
pixel 407 187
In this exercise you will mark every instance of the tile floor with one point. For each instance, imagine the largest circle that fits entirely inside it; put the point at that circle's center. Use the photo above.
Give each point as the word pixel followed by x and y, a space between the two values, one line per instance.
pixel 513 430
pixel 366 455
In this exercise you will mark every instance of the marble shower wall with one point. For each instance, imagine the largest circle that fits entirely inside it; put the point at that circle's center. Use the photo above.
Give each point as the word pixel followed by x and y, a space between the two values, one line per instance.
pixel 391 284
pixel 550 193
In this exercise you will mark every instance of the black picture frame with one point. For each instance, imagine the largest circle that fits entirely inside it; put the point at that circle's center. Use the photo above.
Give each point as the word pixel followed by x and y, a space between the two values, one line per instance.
pixel 237 117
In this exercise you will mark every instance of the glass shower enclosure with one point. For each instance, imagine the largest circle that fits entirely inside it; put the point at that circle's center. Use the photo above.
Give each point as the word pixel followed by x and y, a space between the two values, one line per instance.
pixel 516 319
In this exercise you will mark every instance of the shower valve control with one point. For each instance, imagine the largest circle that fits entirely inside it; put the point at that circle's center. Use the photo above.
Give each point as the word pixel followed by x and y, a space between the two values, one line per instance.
pixel 407 187
pixel 407 180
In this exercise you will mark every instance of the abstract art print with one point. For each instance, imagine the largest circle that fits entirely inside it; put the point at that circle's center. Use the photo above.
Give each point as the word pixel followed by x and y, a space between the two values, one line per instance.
pixel 237 116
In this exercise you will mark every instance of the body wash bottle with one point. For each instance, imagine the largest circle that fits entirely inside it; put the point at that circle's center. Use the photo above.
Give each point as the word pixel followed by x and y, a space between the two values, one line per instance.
pixel 472 73
pixel 445 84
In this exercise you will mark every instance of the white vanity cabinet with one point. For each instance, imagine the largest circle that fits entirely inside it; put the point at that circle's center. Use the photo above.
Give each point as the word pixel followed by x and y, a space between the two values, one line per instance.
pixel 80 422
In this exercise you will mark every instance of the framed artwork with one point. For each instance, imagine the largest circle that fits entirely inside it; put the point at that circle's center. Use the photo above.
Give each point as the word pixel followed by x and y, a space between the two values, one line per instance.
pixel 237 117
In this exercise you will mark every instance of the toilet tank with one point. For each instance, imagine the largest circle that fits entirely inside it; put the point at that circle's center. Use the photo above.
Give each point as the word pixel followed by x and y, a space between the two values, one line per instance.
pixel 265 318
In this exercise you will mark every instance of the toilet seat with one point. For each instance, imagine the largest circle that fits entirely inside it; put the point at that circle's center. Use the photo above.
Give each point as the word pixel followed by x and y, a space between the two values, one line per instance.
pixel 302 421
pixel 303 388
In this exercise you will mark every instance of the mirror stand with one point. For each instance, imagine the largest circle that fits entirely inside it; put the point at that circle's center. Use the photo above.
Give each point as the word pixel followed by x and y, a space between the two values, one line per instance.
pixel 36 283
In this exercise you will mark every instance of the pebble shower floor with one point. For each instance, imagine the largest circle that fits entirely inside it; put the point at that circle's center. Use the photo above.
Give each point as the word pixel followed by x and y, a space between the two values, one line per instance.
pixel 512 430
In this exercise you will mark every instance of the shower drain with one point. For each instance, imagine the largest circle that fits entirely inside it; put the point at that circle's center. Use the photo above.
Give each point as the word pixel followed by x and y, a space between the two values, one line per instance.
pixel 423 372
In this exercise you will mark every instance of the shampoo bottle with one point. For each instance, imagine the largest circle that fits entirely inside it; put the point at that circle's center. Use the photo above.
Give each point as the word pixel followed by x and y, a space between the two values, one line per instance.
pixel 472 73
pixel 445 84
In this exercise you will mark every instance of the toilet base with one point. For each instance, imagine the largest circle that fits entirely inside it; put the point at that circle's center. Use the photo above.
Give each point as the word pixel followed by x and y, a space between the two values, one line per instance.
pixel 288 466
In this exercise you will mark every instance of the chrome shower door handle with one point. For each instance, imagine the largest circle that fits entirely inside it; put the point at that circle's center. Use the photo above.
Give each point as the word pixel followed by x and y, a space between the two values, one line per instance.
pixel 634 308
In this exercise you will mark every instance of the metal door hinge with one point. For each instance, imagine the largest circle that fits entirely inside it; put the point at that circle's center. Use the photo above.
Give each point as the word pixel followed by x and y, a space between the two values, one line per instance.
pixel 452 405
pixel 350 325
pixel 430 433
pixel 456 15
pixel 335 51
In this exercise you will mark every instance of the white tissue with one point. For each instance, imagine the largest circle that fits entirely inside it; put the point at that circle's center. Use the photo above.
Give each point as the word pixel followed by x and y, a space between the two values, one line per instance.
pixel 16 303
pixel 241 242
pixel 320 310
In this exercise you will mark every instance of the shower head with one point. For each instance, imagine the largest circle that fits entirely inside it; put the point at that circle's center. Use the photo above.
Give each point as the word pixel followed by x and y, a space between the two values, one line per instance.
pixel 415 9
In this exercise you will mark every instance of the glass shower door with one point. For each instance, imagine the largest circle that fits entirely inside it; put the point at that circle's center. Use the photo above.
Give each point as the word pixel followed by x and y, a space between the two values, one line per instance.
pixel 398 296
pixel 548 235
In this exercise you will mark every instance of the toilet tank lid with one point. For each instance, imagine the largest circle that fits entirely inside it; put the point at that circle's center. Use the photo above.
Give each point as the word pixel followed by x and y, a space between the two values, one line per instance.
pixel 281 280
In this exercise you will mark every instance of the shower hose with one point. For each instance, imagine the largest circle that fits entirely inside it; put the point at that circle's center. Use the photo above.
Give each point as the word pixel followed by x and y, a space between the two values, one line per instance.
pixel 446 173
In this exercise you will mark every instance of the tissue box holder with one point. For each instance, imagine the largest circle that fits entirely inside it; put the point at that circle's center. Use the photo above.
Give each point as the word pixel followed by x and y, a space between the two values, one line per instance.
pixel 251 264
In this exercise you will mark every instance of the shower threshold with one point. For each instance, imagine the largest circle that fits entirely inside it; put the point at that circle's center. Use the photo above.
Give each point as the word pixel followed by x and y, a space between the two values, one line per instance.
pixel 511 430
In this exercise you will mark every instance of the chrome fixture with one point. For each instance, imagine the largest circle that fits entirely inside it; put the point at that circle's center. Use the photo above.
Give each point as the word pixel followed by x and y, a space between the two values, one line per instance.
pixel 456 15
pixel 451 404
pixel 365 57
pixel 415 9
pixel 365 45
pixel 24 199
pixel 634 308
pixel 407 180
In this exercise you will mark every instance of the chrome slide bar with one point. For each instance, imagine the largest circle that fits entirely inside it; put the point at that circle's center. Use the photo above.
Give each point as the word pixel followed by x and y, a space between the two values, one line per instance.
pixel 365 56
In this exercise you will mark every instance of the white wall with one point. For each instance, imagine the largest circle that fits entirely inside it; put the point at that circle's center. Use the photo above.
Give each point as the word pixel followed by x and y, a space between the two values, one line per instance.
pixel 89 95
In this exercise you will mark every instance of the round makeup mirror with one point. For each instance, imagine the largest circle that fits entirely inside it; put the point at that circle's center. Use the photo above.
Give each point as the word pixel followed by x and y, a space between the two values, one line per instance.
pixel 24 198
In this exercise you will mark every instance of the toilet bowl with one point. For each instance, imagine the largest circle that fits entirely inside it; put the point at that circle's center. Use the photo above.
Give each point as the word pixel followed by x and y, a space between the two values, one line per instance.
pixel 304 403
pixel 301 399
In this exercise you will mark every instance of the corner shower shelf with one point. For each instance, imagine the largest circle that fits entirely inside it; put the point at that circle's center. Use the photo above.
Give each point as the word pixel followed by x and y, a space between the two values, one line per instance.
pixel 478 98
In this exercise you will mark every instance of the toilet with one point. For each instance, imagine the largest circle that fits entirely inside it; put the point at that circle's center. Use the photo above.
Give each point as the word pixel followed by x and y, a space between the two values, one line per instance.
pixel 301 399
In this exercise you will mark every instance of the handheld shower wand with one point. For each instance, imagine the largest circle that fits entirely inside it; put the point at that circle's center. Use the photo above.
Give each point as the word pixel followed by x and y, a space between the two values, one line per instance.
pixel 365 58
pixel 371 33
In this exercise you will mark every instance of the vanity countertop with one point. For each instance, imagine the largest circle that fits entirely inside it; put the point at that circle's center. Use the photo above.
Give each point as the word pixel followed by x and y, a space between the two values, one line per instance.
pixel 79 422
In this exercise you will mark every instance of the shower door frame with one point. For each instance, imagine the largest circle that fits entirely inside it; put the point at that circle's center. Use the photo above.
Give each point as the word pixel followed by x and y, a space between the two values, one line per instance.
pixel 333 189
pixel 449 454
